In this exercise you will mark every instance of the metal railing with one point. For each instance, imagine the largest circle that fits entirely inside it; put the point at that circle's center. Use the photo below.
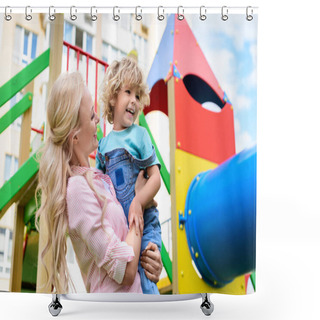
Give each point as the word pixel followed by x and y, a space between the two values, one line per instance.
pixel 88 58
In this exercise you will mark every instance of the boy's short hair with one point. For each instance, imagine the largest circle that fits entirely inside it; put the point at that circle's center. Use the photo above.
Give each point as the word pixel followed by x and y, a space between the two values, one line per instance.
pixel 119 73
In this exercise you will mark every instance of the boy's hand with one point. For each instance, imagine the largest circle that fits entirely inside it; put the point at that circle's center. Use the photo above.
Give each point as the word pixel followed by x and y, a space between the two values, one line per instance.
pixel 135 216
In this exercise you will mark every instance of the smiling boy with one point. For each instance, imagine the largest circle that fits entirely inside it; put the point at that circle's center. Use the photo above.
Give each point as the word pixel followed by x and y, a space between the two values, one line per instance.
pixel 127 149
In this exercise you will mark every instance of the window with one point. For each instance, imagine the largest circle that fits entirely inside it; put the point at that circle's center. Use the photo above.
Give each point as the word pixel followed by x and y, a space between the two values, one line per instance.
pixel 2 239
pixel 68 32
pixel 89 45
pixel 25 46
pixel 81 39
pixel 11 166
pixel 78 37
pixel 125 22
pixel 5 252
pixel 110 53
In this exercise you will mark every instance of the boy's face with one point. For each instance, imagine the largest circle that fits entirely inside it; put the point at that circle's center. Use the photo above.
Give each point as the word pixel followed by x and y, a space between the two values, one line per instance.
pixel 126 107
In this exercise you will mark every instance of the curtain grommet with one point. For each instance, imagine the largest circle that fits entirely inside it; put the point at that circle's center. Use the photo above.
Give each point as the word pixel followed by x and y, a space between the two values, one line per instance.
pixel 73 16
pixel 249 17
pixel 160 16
pixel 180 13
pixel 138 15
pixel 224 13
pixel 28 16
pixel 7 16
pixel 52 17
pixel 94 17
pixel 203 12
pixel 116 17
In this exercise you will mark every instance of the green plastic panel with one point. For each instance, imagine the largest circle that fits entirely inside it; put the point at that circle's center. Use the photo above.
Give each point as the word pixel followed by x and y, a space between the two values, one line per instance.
pixel 166 261
pixel 15 112
pixel 12 186
pixel 253 280
pixel 25 76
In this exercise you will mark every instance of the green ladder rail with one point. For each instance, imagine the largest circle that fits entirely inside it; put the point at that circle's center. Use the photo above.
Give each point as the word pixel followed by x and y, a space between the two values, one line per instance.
pixel 13 188
pixel 167 263
pixel 16 111
pixel 24 77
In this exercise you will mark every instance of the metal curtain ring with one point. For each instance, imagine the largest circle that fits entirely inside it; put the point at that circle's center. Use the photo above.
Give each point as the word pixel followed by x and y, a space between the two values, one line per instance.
pixel 249 17
pixel 116 17
pixel 224 13
pixel 94 17
pixel 180 15
pixel 138 16
pixel 7 16
pixel 73 16
pixel 51 16
pixel 203 12
pixel 160 16
pixel 28 15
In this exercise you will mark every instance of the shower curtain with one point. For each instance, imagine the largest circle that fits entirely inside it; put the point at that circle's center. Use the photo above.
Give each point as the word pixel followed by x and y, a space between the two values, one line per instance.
pixel 202 80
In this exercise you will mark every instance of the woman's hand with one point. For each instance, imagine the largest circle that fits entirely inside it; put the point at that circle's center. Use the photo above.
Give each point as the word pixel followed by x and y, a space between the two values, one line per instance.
pixel 140 183
pixel 151 262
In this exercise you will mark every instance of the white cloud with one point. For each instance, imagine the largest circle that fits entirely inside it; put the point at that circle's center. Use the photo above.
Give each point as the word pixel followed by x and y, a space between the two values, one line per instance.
pixel 223 44
pixel 243 141
pixel 242 103
pixel 252 78
pixel 243 138
pixel 221 63
pixel 236 125
pixel 236 28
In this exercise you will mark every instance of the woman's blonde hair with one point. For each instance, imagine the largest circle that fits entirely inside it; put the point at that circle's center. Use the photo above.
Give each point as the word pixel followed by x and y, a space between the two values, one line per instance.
pixel 63 120
pixel 119 73
pixel 63 123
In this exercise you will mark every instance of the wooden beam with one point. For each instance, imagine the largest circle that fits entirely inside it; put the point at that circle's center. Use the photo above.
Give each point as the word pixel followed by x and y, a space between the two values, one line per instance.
pixel 17 252
pixel 164 286
pixel 25 132
pixel 56 46
pixel 18 236
pixel 174 223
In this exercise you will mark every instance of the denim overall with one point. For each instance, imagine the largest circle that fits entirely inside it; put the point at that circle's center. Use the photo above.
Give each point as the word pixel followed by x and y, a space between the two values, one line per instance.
pixel 123 169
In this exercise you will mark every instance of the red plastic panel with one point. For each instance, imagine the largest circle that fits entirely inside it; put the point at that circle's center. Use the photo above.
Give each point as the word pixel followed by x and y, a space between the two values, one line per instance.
pixel 201 132
pixel 158 98
pixel 189 58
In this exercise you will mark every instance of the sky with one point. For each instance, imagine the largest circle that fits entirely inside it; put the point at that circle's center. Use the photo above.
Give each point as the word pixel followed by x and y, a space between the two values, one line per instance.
pixel 230 48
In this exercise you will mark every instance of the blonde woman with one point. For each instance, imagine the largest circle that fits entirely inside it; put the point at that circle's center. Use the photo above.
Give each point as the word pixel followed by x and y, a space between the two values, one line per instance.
pixel 81 201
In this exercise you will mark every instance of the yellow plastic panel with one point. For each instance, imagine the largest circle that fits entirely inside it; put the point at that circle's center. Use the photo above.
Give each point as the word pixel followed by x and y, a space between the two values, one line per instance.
pixel 186 168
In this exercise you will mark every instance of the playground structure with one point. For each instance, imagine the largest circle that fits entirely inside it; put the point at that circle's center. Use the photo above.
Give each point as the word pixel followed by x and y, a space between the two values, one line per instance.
pixel 201 138
pixel 181 84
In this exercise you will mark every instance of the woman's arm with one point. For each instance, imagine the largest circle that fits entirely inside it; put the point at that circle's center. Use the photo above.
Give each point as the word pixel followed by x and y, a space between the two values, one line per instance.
pixel 133 239
pixel 108 251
